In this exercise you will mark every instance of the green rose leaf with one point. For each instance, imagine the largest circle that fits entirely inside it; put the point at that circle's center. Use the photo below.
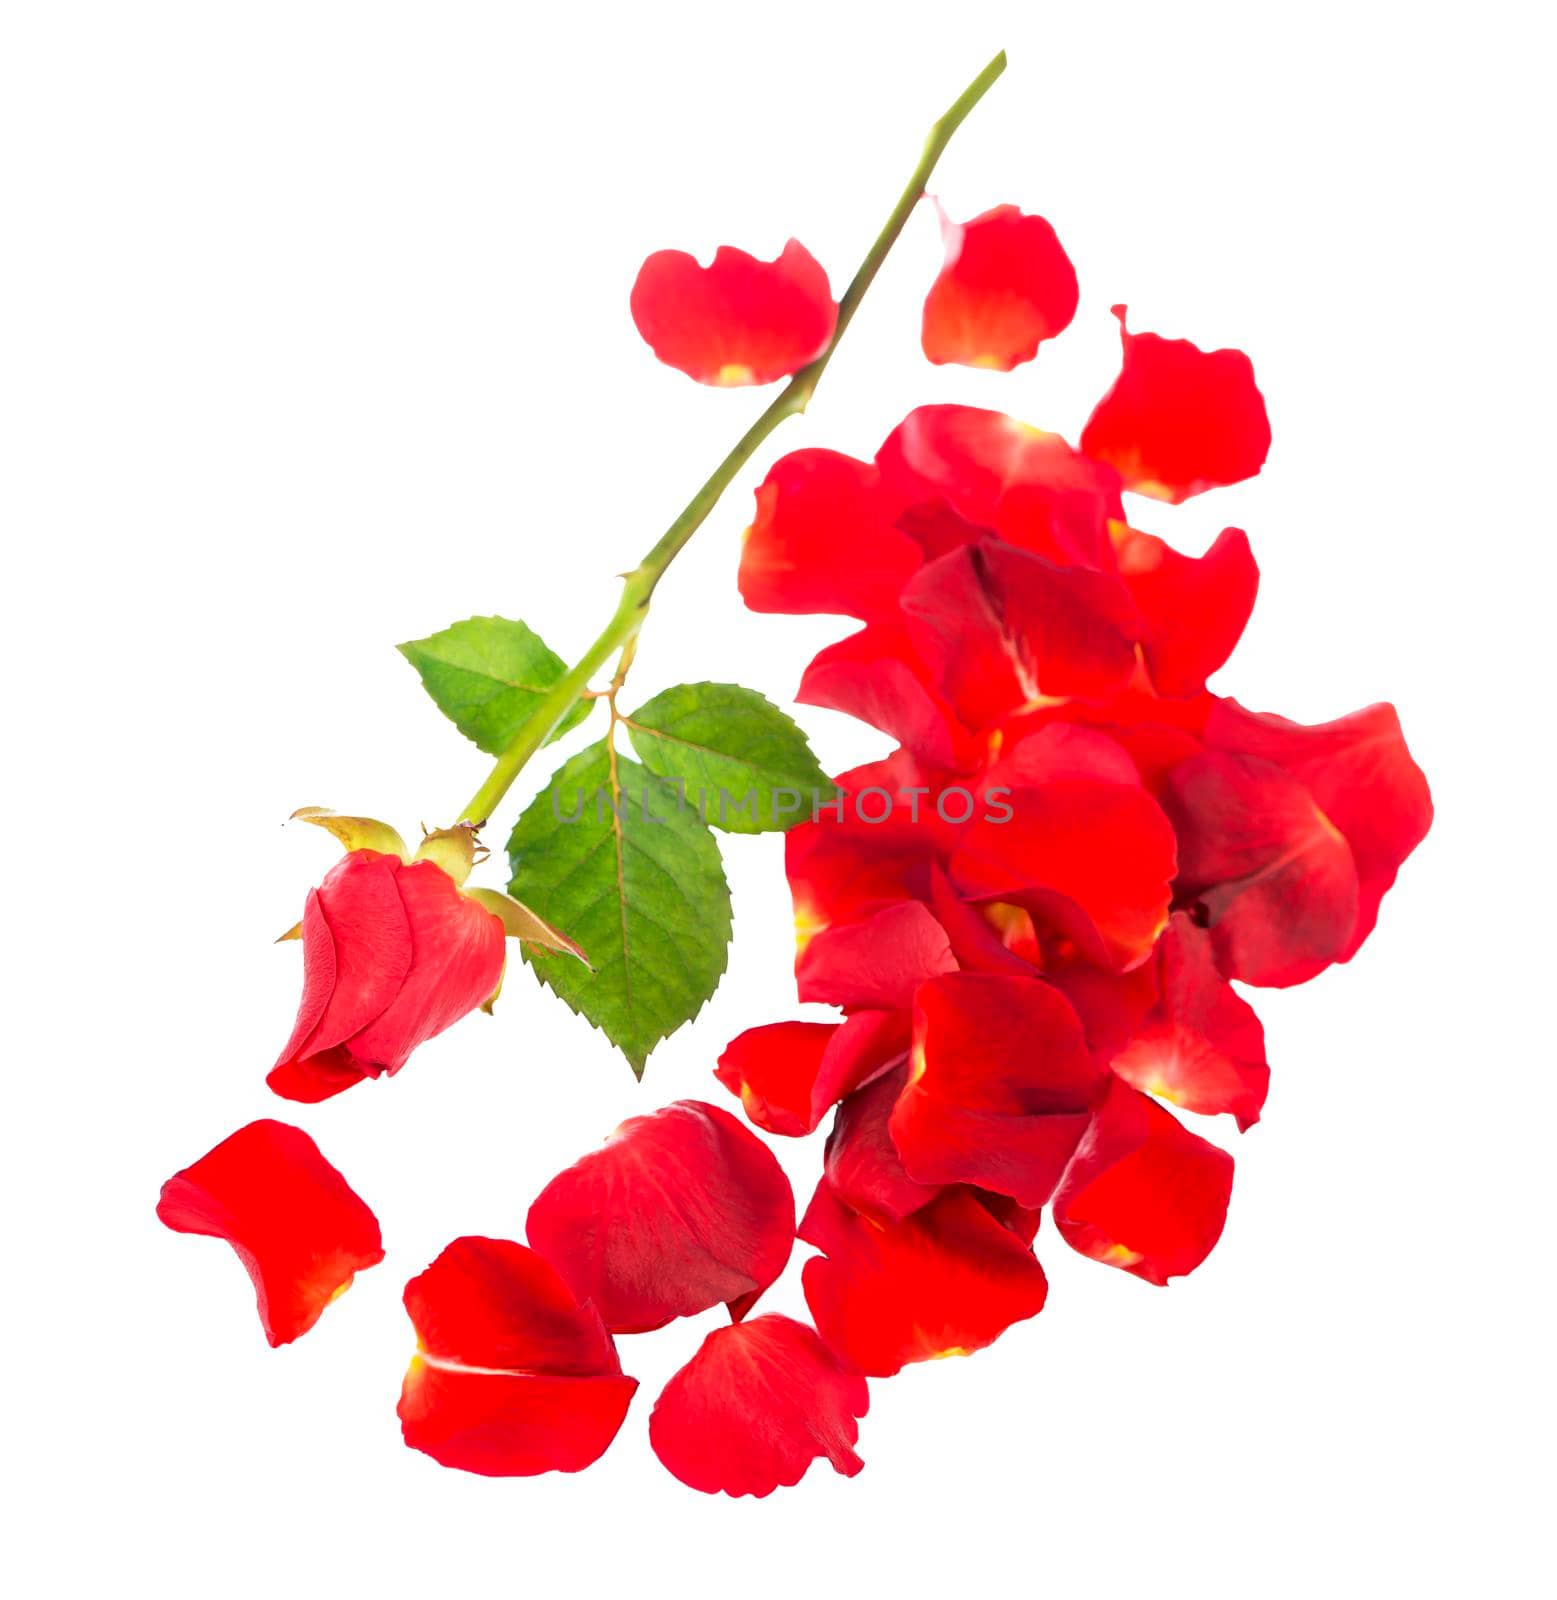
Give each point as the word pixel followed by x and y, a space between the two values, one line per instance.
pixel 744 766
pixel 486 675
pixel 614 855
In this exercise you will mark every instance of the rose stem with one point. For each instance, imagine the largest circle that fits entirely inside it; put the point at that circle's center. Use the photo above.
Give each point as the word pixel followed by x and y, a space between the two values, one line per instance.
pixel 638 585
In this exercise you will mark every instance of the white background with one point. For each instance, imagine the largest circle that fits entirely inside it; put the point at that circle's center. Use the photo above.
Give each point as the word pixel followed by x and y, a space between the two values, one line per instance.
pixel 316 338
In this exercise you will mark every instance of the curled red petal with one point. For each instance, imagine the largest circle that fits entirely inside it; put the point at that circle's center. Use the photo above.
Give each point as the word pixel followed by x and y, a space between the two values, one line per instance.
pixel 878 676
pixel 862 1162
pixel 738 320
pixel 1201 1046
pixel 677 1211
pixel 1179 419
pixel 1361 776
pixel 957 473
pixel 1000 1088
pixel 1003 631
pixel 1092 859
pixel 512 1376
pixel 1193 609
pixel 1006 286
pixel 758 1403
pixel 1144 1193
pixel 947 1280
pixel 1273 876
pixel 876 963
pixel 822 541
pixel 788 1073
pixel 298 1227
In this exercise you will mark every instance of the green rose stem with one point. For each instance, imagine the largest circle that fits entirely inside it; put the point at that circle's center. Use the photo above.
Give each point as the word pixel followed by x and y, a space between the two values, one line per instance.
pixel 639 584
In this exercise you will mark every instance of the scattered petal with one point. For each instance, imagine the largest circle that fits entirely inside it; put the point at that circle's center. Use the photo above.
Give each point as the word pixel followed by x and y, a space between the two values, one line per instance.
pixel 1194 610
pixel 787 1074
pixel 957 473
pixel 1201 1047
pixel 862 1162
pixel 1094 860
pixel 1273 877
pixel 512 1376
pixel 877 675
pixel 758 1403
pixel 1006 286
pixel 1179 420
pixel 298 1227
pixel 1002 631
pixel 1144 1193
pixel 947 1280
pixel 739 320
pixel 822 541
pixel 877 963
pixel 677 1211
pixel 1000 1088
pixel 1360 775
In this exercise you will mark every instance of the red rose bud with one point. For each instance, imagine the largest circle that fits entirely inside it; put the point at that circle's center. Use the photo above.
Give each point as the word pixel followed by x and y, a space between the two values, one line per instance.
pixel 511 1375
pixel 297 1226
pixel 677 1212
pixel 394 952
pixel 1006 286
pixel 738 320
pixel 757 1404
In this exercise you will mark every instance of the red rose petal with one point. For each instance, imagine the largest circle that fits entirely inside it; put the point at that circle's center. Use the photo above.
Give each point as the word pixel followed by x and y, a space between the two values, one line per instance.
pixel 1000 1089
pixel 843 869
pixel 974 940
pixel 1194 609
pixel 1062 750
pixel 738 320
pixel 1144 1193
pixel 787 1074
pixel 1361 776
pixel 757 1404
pixel 1179 419
pixel 947 1280
pixel 677 1211
pixel 512 1376
pixel 821 540
pixel 877 963
pixel 297 1226
pixel 878 676
pixel 1006 286
pixel 1093 859
pixel 1002 631
pixel 862 1162
pixel 1113 1006
pixel 956 473
pixel 1274 876
pixel 1202 1047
